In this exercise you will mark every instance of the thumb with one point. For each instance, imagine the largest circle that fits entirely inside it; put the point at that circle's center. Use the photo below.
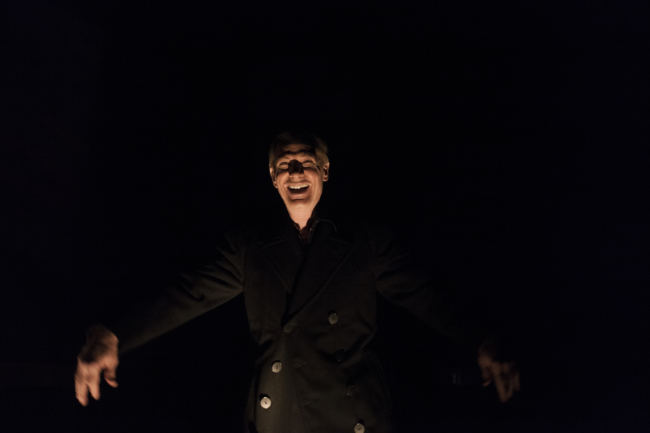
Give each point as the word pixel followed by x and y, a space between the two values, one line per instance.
pixel 486 375
pixel 110 376
pixel 484 363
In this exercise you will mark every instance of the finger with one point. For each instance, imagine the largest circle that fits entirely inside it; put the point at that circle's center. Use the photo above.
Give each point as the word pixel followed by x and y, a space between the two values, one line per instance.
pixel 495 369
pixel 92 380
pixel 510 380
pixel 513 377
pixel 80 389
pixel 501 392
pixel 509 372
pixel 500 384
pixel 110 376
pixel 486 375
pixel 485 363
pixel 503 379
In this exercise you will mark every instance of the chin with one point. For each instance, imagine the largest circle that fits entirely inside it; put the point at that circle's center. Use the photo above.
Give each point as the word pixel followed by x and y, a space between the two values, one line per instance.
pixel 299 202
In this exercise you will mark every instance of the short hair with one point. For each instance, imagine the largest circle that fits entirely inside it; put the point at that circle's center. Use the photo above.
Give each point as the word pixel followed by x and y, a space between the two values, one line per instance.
pixel 283 139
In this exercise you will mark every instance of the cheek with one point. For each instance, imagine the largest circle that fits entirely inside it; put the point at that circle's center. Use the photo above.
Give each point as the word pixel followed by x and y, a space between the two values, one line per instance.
pixel 313 175
pixel 277 180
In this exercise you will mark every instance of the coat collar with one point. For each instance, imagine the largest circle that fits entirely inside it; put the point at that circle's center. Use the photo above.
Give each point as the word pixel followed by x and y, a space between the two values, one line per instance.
pixel 305 274
pixel 323 258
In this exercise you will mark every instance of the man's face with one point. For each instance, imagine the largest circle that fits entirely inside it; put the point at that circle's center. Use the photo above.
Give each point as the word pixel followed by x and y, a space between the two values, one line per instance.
pixel 298 178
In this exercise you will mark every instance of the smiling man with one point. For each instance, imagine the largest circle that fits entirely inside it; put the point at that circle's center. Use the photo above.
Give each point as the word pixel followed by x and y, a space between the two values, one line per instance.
pixel 310 288
pixel 298 171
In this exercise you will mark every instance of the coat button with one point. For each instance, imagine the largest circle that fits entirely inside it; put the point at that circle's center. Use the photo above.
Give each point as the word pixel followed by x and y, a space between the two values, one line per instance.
pixel 359 427
pixel 276 367
pixel 288 328
pixel 333 318
pixel 265 401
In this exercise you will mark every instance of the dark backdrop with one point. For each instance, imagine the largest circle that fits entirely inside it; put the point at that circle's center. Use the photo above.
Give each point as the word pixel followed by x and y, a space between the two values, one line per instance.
pixel 506 142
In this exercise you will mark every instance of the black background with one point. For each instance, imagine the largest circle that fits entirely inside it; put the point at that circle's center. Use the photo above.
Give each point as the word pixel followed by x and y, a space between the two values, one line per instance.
pixel 507 142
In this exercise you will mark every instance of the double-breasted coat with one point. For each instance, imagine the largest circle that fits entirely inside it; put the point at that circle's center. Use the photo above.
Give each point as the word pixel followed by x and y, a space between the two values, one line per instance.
pixel 312 312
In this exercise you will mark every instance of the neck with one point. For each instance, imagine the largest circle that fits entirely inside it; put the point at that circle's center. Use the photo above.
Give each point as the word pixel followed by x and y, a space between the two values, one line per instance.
pixel 300 216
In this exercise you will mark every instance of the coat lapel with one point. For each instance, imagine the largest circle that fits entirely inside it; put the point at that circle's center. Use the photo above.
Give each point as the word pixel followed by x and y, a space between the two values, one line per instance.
pixel 327 252
pixel 284 253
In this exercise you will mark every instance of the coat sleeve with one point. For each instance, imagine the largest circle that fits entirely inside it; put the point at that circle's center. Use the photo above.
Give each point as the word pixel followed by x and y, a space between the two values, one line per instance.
pixel 193 294
pixel 412 288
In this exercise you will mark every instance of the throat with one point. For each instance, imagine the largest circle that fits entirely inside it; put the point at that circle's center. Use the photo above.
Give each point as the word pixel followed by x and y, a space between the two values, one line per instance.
pixel 300 216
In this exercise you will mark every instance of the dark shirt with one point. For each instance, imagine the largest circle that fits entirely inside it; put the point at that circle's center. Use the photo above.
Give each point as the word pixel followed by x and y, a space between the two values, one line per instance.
pixel 305 237
pixel 306 234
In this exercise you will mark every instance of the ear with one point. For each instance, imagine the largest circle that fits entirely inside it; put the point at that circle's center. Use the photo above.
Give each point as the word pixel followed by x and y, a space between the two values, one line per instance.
pixel 272 174
pixel 326 172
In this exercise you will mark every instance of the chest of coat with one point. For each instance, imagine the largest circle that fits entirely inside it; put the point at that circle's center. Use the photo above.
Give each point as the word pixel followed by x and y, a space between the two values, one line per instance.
pixel 328 293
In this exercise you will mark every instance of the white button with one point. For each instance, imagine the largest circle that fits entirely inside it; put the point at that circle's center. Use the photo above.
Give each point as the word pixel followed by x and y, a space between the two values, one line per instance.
pixel 265 402
pixel 276 367
pixel 333 318
pixel 359 428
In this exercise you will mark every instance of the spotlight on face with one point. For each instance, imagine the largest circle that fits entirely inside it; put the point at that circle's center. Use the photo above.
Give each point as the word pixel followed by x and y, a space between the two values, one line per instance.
pixel 299 178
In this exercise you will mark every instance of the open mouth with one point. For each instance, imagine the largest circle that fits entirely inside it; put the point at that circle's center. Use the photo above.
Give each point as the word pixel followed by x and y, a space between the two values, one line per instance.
pixel 298 188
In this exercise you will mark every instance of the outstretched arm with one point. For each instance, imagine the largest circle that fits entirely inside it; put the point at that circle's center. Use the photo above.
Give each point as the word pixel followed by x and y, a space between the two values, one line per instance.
pixel 194 294
pixel 412 288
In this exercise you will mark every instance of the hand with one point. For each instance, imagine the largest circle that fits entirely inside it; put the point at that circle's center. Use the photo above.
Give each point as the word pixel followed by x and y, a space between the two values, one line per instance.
pixel 99 355
pixel 505 375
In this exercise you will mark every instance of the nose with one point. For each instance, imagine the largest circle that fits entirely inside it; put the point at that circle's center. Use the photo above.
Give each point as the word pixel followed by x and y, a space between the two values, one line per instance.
pixel 295 167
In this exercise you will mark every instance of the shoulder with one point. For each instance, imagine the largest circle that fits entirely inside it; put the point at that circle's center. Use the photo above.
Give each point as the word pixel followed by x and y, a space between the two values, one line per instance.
pixel 258 229
pixel 357 229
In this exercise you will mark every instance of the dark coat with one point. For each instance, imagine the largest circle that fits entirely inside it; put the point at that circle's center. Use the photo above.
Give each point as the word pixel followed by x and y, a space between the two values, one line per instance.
pixel 313 315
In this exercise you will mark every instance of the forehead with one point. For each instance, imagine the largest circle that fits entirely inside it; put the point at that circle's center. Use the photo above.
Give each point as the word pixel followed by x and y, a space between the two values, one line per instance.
pixel 292 150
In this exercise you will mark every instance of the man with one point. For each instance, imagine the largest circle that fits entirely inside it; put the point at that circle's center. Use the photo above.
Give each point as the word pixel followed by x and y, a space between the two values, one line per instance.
pixel 310 290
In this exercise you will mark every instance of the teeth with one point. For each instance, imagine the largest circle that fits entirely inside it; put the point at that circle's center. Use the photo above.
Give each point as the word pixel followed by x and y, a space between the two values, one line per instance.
pixel 298 186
